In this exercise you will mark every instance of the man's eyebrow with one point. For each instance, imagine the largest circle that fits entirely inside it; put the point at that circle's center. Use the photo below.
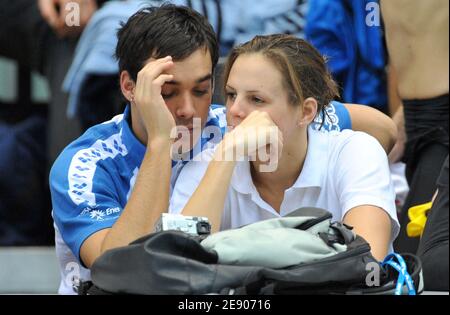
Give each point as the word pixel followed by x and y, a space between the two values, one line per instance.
pixel 205 78
pixel 201 80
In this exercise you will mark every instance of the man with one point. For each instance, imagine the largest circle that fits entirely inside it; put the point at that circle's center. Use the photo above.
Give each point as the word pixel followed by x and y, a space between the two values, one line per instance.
pixel 418 45
pixel 111 185
pixel 92 181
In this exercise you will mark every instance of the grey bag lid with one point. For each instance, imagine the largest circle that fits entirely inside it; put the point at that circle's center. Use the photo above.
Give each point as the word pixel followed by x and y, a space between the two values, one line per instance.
pixel 276 243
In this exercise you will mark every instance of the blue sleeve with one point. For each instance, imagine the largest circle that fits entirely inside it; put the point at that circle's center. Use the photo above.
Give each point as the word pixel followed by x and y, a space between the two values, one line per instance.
pixel 84 198
pixel 337 118
pixel 329 29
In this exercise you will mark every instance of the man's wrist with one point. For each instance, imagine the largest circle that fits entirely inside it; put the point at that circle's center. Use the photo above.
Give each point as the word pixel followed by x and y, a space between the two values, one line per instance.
pixel 159 143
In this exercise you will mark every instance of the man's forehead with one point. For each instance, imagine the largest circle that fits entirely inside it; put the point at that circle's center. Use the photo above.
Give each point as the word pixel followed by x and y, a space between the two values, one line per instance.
pixel 195 68
pixel 201 56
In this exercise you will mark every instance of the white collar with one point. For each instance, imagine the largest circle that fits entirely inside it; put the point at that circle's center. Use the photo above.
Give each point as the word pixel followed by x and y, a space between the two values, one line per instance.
pixel 316 161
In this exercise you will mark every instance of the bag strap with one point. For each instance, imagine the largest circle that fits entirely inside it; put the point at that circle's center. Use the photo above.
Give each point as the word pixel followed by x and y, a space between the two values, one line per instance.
pixel 310 223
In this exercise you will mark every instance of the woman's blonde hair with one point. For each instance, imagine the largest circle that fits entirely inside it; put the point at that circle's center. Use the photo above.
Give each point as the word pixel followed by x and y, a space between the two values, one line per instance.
pixel 303 68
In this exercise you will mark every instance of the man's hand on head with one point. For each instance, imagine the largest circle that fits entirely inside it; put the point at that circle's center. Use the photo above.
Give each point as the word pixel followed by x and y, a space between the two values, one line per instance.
pixel 156 117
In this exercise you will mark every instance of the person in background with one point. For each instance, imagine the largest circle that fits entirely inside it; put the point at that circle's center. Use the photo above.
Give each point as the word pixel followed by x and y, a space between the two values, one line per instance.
pixel 417 35
pixel 349 34
pixel 34 34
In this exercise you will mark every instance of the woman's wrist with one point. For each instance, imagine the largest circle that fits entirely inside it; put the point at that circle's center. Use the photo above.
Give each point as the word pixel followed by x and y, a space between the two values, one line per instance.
pixel 226 150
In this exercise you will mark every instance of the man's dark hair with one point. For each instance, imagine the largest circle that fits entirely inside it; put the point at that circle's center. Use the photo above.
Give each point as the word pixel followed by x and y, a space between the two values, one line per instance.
pixel 157 32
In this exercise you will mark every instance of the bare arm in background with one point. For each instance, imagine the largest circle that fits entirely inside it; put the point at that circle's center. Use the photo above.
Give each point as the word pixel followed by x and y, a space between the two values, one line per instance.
pixel 375 123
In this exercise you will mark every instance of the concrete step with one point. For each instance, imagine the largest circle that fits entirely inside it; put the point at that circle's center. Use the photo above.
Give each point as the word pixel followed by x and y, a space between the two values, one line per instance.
pixel 28 270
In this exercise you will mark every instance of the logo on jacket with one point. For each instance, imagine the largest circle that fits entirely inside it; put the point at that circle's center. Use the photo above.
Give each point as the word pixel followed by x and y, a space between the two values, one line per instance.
pixel 98 215
pixel 101 215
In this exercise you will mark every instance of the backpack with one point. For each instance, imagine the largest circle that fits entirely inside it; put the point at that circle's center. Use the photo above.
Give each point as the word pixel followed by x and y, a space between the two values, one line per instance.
pixel 301 254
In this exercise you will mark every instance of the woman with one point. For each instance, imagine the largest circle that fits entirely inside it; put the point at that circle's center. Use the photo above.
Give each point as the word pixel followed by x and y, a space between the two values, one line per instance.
pixel 279 82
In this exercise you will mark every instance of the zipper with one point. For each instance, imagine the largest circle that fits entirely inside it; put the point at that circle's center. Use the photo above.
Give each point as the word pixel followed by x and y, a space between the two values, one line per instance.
pixel 312 222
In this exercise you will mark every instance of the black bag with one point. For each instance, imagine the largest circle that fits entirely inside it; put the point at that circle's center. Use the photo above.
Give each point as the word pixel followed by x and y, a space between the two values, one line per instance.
pixel 173 262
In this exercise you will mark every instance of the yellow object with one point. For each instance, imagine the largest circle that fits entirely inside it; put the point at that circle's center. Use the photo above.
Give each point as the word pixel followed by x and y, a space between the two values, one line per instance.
pixel 418 217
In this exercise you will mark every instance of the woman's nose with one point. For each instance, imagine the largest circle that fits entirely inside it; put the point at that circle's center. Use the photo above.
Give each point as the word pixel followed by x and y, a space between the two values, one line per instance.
pixel 237 109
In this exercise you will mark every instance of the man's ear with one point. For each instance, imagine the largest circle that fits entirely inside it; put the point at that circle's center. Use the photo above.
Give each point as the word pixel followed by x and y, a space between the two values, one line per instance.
pixel 309 111
pixel 127 85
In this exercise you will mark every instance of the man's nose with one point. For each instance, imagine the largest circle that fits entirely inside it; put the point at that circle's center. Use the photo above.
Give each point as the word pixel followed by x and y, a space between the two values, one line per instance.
pixel 186 109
